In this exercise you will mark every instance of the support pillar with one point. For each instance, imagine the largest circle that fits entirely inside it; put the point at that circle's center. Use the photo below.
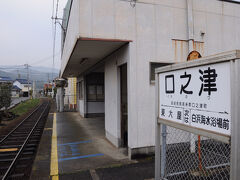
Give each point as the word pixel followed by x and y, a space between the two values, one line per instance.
pixel 34 90
pixel 57 101
pixel 60 99
pixel 60 83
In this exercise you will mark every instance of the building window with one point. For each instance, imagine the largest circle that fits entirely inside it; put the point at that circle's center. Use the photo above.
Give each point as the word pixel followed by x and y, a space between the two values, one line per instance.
pixel 92 96
pixel 80 89
pixel 100 93
pixel 95 87
pixel 153 66
pixel 95 93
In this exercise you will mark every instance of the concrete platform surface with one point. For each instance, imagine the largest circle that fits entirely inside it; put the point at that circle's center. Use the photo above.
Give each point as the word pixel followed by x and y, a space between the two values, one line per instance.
pixel 82 144
pixel 81 151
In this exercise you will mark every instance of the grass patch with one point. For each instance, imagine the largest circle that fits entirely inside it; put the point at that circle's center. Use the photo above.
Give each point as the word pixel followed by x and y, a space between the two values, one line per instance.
pixel 25 106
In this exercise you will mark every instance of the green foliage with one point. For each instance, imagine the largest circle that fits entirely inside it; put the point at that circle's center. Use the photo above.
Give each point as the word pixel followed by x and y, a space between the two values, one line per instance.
pixel 5 95
pixel 24 107
pixel 31 92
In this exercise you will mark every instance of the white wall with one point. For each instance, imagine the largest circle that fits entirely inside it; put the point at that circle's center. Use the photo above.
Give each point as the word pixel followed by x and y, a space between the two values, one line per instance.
pixel 81 108
pixel 95 107
pixel 81 104
pixel 18 84
pixel 72 33
pixel 158 30
pixel 165 19
pixel 112 94
pixel 112 125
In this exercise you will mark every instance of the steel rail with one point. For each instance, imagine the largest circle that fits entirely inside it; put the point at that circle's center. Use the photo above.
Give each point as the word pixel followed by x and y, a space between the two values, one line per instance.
pixel 22 147
pixel 2 140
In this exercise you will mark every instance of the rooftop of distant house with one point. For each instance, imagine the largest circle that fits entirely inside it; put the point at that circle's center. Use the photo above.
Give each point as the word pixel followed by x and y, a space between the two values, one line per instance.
pixel 5 79
pixel 16 88
pixel 23 81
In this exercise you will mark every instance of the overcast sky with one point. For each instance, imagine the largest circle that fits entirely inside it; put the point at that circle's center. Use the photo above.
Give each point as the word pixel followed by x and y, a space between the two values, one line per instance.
pixel 26 32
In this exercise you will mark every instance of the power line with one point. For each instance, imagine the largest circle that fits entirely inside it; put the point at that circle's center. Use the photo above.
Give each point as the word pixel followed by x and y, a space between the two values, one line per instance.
pixel 35 62
pixel 11 67
pixel 21 70
pixel 44 59
pixel 32 73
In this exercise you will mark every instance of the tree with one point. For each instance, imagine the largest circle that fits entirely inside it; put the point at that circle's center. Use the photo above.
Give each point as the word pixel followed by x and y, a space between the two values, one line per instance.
pixel 5 96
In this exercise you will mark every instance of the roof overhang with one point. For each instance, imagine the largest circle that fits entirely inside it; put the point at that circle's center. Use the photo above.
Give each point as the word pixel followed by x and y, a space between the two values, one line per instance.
pixel 88 52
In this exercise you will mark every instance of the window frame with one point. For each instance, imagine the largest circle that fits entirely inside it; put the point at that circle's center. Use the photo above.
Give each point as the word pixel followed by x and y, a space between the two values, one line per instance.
pixel 95 79
pixel 97 98
pixel 80 90
pixel 162 64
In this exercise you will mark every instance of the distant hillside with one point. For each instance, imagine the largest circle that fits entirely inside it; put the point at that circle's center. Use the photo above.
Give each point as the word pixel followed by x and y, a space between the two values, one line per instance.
pixel 7 74
pixel 39 74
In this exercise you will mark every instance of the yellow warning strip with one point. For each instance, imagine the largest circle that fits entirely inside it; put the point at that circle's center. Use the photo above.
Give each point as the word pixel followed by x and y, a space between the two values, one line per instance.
pixel 54 152
pixel 8 150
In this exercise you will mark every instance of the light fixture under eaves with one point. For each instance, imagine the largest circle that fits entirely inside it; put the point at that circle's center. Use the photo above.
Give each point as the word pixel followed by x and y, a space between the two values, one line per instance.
pixel 83 60
pixel 133 3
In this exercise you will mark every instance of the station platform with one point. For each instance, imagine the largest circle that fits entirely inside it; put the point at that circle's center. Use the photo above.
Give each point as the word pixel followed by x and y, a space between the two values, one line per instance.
pixel 73 147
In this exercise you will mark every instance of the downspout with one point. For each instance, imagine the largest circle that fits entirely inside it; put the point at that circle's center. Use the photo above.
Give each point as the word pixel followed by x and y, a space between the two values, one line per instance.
pixel 190 25
pixel 190 30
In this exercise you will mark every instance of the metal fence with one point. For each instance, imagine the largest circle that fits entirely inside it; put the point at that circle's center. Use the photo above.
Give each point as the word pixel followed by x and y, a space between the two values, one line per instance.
pixel 189 156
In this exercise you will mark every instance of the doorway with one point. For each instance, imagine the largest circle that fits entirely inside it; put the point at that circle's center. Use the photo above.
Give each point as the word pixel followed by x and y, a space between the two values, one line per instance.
pixel 124 105
pixel 25 94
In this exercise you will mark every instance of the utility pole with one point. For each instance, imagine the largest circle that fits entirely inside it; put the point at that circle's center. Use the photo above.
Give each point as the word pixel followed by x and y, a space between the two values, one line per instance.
pixel 27 67
pixel 34 89
pixel 18 74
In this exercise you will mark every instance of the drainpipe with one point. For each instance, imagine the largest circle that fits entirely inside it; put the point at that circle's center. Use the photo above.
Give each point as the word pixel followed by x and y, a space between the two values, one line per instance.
pixel 190 25
pixel 190 29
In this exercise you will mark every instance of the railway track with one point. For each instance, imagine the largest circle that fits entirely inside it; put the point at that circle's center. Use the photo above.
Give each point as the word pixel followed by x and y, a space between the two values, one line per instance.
pixel 19 147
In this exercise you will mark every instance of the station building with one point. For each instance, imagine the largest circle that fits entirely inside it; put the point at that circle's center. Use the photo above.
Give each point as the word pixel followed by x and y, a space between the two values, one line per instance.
pixel 113 46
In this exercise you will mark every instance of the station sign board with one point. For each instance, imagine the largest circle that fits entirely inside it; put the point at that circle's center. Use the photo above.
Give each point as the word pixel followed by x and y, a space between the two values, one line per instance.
pixel 198 97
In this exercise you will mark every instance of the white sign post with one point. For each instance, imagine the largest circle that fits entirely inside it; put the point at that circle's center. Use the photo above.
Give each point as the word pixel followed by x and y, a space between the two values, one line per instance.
pixel 201 97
